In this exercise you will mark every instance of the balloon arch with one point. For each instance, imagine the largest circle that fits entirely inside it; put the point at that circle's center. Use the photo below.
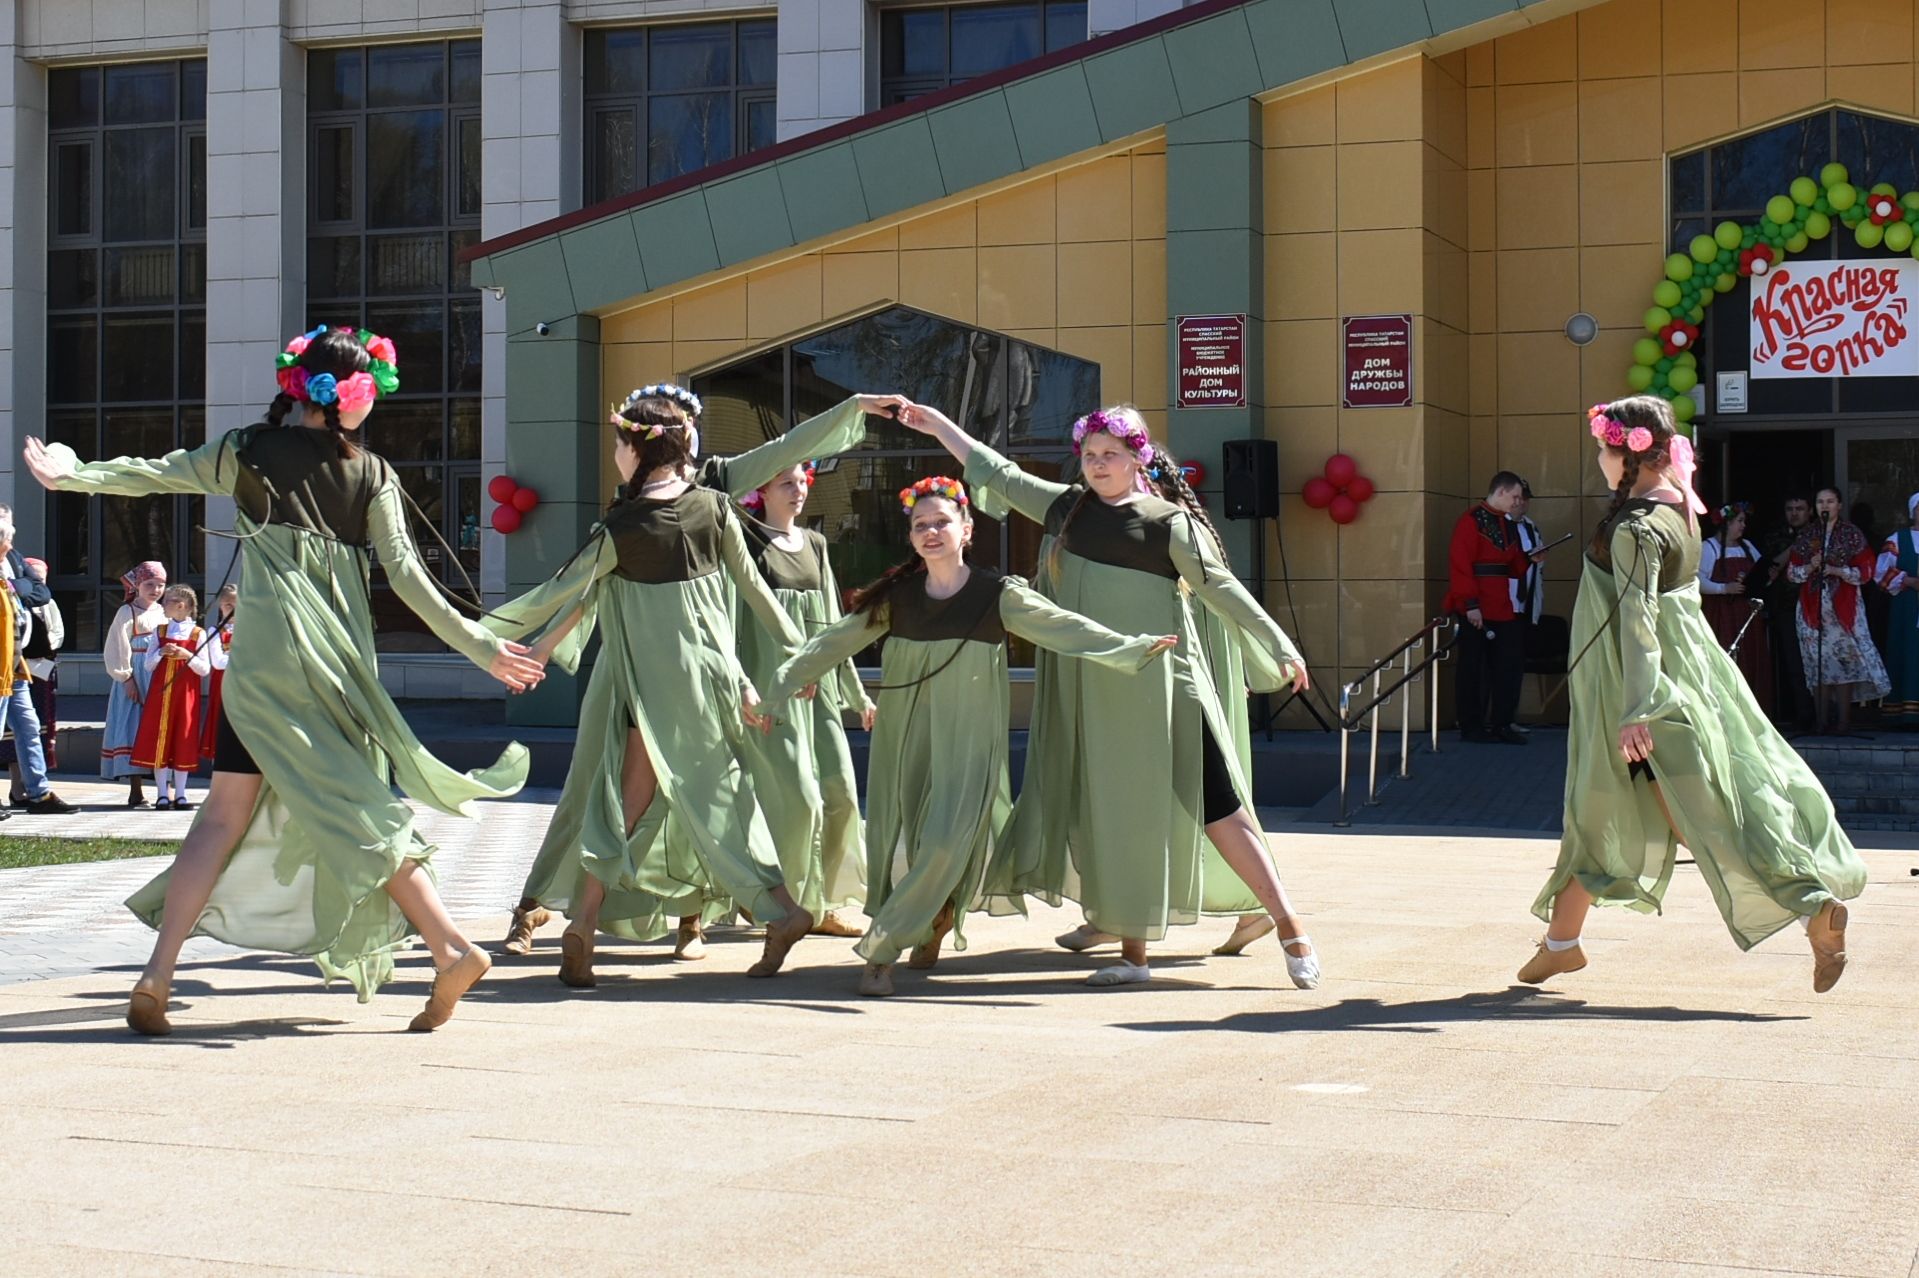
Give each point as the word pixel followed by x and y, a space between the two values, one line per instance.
pixel 1663 361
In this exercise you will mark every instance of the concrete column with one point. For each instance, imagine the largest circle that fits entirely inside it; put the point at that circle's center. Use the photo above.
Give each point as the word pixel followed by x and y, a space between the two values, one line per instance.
pixel 256 215
pixel 23 270
pixel 825 72
pixel 1215 265
pixel 529 172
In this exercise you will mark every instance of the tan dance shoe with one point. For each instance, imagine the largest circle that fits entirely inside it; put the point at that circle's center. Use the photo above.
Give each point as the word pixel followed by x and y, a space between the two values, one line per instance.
pixel 831 924
pixel 927 953
pixel 690 945
pixel 448 986
pixel 576 960
pixel 1546 964
pixel 1249 929
pixel 147 1011
pixel 877 981
pixel 1083 938
pixel 781 936
pixel 519 935
pixel 1827 933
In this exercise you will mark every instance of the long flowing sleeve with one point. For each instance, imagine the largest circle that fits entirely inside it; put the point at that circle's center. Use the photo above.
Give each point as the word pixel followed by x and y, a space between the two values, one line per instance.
pixel 183 470
pixel 393 545
pixel 835 431
pixel 1003 478
pixel 1035 618
pixel 117 655
pixel 1708 560
pixel 755 593
pixel 832 646
pixel 852 691
pixel 1649 693
pixel 1270 655
pixel 556 598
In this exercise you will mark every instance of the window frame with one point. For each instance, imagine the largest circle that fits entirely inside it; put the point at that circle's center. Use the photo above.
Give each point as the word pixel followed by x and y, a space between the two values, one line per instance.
pixel 903 88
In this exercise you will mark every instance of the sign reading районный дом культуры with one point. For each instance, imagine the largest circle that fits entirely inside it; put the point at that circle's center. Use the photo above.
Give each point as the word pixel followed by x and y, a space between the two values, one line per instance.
pixel 1211 350
pixel 1378 361
pixel 1835 319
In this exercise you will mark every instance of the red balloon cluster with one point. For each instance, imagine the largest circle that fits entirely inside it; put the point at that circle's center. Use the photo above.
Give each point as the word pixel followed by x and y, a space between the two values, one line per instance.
pixel 515 503
pixel 1338 491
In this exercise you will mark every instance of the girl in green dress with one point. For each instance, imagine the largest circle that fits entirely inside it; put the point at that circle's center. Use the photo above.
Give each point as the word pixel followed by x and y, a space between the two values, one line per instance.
pixel 1134 856
pixel 1667 744
pixel 784 794
pixel 658 819
pixel 937 791
pixel 301 845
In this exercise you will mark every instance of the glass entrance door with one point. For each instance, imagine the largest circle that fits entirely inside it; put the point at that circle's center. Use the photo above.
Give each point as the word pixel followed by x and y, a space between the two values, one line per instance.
pixel 1878 471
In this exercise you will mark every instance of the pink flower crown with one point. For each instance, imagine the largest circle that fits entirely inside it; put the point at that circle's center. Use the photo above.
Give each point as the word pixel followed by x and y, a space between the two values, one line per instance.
pixel 1135 438
pixel 1615 434
pixel 755 501
pixel 933 486
pixel 382 375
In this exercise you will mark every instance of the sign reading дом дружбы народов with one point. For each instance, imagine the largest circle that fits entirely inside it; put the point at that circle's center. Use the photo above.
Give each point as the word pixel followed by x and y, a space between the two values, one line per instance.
pixel 1378 361
pixel 1836 319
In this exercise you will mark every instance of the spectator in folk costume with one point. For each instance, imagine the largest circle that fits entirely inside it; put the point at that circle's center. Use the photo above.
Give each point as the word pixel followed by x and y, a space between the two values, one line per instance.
pixel 1484 560
pixel 1829 561
pixel 23 594
pixel 1729 593
pixel 1529 591
pixel 1898 571
pixel 176 661
pixel 128 637
pixel 219 652
pixel 42 651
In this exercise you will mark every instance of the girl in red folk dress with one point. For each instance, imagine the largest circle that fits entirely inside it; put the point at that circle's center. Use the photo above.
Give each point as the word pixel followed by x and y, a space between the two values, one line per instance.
pixel 219 650
pixel 169 740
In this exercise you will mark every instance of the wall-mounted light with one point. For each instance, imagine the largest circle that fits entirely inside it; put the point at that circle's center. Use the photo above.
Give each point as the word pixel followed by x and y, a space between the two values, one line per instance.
pixel 498 291
pixel 1581 329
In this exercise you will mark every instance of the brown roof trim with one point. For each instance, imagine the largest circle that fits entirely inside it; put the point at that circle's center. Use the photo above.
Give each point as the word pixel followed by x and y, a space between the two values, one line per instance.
pixel 848 128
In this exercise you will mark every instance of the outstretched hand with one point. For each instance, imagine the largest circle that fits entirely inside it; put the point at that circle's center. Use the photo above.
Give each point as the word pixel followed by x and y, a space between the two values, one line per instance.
pixel 883 405
pixel 515 667
pixel 46 467
pixel 1301 680
pixel 1162 644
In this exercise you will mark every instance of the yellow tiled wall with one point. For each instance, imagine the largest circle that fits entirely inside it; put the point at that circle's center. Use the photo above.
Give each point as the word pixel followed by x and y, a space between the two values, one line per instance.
pixel 1074 261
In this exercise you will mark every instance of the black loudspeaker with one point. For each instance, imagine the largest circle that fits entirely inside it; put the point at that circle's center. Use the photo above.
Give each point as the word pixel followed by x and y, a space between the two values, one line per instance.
pixel 1249 478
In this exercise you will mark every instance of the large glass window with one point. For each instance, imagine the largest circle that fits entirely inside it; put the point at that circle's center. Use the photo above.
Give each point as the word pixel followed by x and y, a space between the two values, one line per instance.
pixel 393 154
pixel 1732 181
pixel 925 49
pixel 126 318
pixel 1021 398
pixel 666 100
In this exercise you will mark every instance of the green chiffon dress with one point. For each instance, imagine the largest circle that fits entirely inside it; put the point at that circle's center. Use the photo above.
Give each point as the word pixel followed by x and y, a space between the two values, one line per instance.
pixel 1757 821
pixel 304 696
pixel 1135 856
pixel 803 769
pixel 658 576
pixel 937 792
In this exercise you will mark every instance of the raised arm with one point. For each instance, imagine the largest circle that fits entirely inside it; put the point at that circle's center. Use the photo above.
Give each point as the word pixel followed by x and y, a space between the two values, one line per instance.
pixel 1272 660
pixel 183 470
pixel 830 647
pixel 1030 615
pixel 837 430
pixel 1030 495
pixel 568 594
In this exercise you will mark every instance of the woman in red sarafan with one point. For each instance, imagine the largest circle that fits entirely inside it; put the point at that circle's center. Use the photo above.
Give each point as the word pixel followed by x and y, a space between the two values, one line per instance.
pixel 169 740
pixel 219 649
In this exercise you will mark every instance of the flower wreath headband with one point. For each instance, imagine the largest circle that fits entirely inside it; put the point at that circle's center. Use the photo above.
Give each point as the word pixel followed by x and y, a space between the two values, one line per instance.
pixel 933 486
pixel 755 501
pixel 685 398
pixel 382 375
pixel 1639 439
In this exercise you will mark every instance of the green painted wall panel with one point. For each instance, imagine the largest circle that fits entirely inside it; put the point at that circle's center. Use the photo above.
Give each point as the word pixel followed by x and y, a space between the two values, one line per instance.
pixel 603 262
pixel 1367 27
pixel 537 287
pixel 823 192
pixel 1132 89
pixel 1294 39
pixel 676 239
pixel 974 142
pixel 749 216
pixel 1213 62
pixel 1053 115
pixel 898 167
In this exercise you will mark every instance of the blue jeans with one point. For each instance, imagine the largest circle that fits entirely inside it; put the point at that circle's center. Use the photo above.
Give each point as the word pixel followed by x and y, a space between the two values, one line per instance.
pixel 24 720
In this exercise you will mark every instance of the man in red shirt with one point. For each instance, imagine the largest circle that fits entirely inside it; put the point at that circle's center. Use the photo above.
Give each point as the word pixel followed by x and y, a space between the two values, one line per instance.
pixel 1484 559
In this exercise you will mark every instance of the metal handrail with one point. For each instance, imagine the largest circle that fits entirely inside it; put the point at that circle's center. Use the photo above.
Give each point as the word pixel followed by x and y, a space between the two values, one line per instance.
pixel 1351 719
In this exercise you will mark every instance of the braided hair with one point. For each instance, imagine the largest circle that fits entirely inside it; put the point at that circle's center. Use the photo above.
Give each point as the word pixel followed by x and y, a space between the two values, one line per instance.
pixel 340 354
pixel 1166 475
pixel 659 430
pixel 1634 412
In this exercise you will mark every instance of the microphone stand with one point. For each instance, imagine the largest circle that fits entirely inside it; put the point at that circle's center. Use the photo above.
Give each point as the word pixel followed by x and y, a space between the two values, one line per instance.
pixel 1758 606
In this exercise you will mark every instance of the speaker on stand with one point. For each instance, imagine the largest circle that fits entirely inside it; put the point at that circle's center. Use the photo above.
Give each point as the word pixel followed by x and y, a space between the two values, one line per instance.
pixel 1249 488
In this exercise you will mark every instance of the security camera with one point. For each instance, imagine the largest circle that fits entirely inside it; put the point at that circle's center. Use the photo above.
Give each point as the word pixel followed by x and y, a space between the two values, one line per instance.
pixel 543 328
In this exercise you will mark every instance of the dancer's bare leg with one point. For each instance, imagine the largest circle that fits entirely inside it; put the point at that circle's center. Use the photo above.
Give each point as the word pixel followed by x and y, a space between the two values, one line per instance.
pixel 411 888
pixel 638 784
pixel 216 831
pixel 1242 845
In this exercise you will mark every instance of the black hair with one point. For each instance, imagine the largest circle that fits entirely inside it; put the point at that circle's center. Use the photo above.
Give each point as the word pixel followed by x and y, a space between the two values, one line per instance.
pixel 1504 479
pixel 338 352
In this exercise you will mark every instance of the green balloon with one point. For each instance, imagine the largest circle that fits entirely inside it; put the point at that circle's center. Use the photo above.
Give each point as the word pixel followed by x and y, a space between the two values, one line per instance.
pixel 1822 205
pixel 1679 268
pixel 1686 358
pixel 1666 294
pixel 1898 237
pixel 1664 365
pixel 1682 379
pixel 1646 351
pixel 1657 318
pixel 1748 237
pixel 1803 190
pixel 1910 199
pixel 1868 235
pixel 1725 283
pixel 1705 299
pixel 1779 210
pixel 1704 248
pixel 1841 195
pixel 1726 235
pixel 1659 384
pixel 1885 188
pixel 1696 316
pixel 1796 243
pixel 1832 175
pixel 1818 225
pixel 1639 377
pixel 1683 408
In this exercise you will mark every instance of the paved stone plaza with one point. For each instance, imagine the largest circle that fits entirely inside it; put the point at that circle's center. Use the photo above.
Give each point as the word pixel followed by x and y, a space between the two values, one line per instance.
pixel 1677 1108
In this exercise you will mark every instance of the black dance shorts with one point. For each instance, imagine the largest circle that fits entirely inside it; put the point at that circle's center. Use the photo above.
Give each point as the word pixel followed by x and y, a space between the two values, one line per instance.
pixel 1218 799
pixel 229 755
pixel 1640 768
